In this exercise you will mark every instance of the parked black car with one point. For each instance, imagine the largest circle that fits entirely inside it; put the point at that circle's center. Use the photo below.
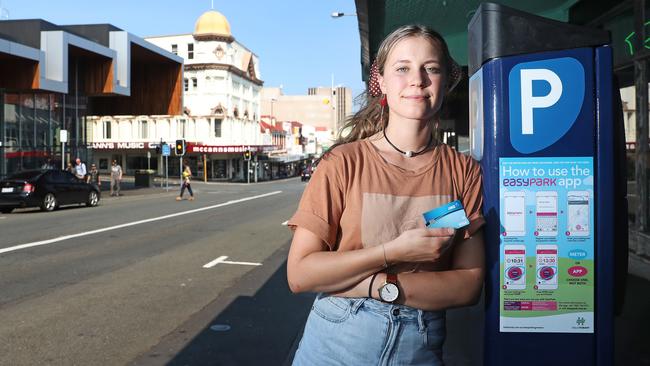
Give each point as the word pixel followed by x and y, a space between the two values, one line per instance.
pixel 47 189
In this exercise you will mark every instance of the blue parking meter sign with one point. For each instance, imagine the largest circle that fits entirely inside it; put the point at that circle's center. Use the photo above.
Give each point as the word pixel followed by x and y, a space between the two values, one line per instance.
pixel 546 98
pixel 166 150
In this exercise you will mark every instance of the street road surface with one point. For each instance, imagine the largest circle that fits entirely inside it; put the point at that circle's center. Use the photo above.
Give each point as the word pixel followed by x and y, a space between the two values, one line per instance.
pixel 102 286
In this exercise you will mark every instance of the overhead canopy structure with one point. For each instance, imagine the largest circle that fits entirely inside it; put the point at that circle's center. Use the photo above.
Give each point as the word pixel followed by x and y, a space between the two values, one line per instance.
pixel 377 18
pixel 122 73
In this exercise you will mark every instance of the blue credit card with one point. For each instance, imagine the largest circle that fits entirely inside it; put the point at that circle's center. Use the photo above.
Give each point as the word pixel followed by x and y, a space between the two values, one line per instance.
pixel 451 215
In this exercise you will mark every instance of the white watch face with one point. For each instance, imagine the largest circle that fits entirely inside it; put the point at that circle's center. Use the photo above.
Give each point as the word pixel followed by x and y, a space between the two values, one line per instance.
pixel 389 292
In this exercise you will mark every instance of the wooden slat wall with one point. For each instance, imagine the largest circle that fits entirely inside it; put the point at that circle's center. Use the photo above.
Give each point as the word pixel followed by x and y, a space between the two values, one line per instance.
pixel 156 88
pixel 95 72
pixel 18 74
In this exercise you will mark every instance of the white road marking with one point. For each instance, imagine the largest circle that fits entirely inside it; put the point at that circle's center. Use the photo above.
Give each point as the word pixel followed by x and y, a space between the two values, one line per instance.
pixel 92 232
pixel 223 258
pixel 285 223
pixel 2 217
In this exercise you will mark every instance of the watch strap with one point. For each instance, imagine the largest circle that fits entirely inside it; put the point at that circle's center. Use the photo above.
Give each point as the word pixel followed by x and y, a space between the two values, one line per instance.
pixel 372 280
pixel 391 278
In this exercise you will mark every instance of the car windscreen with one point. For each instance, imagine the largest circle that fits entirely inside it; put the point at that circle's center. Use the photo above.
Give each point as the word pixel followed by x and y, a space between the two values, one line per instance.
pixel 26 175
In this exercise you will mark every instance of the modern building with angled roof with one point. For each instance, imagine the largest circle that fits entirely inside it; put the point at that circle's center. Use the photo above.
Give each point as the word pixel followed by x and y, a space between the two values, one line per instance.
pixel 53 76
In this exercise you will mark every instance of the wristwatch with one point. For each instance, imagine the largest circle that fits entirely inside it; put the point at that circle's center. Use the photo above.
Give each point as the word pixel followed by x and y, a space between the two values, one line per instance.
pixel 389 291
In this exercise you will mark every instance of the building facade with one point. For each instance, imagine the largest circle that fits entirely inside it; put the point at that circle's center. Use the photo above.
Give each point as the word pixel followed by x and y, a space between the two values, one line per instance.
pixel 323 108
pixel 221 113
pixel 52 77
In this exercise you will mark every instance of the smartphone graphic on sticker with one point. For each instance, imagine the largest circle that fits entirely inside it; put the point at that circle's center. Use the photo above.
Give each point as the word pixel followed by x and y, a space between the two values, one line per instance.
pixel 514 220
pixel 547 266
pixel 514 267
pixel 546 213
pixel 578 213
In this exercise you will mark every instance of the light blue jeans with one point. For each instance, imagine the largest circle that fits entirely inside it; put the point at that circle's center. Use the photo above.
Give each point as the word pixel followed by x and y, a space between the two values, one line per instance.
pixel 363 331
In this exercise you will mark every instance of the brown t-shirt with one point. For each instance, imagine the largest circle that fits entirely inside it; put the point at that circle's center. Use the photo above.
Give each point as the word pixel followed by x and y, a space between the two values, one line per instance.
pixel 357 199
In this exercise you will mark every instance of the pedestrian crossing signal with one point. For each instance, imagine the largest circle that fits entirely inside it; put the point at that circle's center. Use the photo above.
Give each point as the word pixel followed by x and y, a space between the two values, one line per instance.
pixel 180 148
pixel 247 155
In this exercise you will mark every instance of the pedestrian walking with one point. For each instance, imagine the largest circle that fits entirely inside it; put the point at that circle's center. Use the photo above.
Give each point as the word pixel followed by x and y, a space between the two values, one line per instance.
pixel 48 164
pixel 93 175
pixel 80 170
pixel 187 176
pixel 116 178
pixel 383 279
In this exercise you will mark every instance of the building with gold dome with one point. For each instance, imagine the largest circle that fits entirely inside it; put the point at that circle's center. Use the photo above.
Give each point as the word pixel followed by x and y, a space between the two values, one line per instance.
pixel 221 99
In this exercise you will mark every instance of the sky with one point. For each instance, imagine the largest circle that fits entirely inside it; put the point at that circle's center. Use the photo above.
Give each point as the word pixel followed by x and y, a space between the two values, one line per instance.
pixel 297 41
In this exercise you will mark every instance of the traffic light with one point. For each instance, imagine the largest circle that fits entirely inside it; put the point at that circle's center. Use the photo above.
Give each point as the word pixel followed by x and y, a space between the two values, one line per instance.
pixel 247 155
pixel 180 148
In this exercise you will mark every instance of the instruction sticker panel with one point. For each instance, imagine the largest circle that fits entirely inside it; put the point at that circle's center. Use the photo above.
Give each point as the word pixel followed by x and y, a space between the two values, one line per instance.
pixel 547 245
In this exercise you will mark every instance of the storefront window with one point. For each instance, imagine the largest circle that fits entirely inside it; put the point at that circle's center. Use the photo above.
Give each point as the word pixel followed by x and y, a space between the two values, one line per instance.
pixel 42 121
pixel 26 122
pixel 10 143
pixel 220 169
pixel 134 162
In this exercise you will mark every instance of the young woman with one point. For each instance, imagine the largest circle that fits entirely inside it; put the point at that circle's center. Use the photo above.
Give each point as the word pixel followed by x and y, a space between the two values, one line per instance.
pixel 187 176
pixel 383 278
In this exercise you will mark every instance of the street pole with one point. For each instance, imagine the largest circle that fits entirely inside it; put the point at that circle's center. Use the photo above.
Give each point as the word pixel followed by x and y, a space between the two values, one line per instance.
pixel 167 172
pixel 248 171
pixel 180 161
pixel 205 169
pixel 255 165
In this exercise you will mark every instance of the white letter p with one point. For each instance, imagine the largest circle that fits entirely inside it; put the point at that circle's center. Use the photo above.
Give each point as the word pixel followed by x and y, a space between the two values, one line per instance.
pixel 529 102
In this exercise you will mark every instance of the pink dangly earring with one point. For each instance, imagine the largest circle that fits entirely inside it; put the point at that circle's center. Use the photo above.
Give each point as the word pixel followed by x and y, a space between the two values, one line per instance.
pixel 375 89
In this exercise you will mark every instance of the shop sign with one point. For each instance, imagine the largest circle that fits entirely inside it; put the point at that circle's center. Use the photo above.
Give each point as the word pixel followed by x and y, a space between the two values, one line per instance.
pixel 206 149
pixel 121 145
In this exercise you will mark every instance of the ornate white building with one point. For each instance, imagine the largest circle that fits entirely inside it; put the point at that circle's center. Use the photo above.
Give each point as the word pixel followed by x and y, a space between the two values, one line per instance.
pixel 221 84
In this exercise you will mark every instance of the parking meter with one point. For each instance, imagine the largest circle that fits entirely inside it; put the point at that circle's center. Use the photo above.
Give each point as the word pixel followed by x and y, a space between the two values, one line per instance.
pixel 546 126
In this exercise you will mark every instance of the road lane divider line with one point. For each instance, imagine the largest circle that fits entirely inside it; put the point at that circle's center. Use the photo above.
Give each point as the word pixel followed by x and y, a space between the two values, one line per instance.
pixel 223 258
pixel 285 223
pixel 153 219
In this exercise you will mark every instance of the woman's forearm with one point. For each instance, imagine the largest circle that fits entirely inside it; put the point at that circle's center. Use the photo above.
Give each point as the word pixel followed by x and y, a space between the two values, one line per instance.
pixel 440 290
pixel 333 271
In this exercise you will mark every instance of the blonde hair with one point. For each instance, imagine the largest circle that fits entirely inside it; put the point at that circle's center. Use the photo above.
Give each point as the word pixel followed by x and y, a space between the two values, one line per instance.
pixel 370 120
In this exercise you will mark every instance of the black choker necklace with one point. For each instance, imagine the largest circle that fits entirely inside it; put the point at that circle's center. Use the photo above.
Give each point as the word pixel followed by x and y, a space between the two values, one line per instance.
pixel 409 153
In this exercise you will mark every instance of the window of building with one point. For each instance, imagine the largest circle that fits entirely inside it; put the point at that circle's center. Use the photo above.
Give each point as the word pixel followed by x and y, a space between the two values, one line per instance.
pixel 180 128
pixel 194 83
pixel 186 84
pixel 217 127
pixel 144 130
pixel 106 130
pixel 190 51
pixel 175 49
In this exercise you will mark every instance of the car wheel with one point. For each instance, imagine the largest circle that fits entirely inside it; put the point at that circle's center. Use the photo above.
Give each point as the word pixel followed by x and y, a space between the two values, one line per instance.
pixel 93 199
pixel 6 210
pixel 49 202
